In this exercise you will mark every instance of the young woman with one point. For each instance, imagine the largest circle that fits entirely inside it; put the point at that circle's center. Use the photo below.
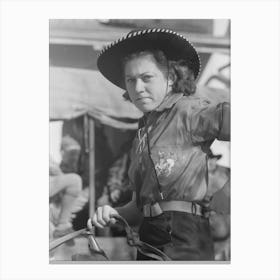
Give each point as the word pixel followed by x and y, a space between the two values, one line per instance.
pixel 168 171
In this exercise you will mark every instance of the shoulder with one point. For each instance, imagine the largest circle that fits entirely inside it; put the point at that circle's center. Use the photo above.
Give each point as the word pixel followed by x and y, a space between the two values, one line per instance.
pixel 188 104
pixel 202 98
pixel 213 95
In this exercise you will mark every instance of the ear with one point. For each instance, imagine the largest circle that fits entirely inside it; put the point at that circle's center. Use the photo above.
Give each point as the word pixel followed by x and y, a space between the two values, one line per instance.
pixel 170 81
pixel 171 78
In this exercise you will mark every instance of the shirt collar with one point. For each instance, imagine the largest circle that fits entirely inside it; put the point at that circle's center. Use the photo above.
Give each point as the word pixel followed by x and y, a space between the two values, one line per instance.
pixel 169 101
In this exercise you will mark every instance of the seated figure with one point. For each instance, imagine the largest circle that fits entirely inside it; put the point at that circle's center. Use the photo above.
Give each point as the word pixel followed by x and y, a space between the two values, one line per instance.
pixel 64 189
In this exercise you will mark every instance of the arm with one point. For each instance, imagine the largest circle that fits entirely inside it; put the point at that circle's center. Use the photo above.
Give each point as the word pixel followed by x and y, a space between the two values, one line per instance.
pixel 130 211
pixel 209 122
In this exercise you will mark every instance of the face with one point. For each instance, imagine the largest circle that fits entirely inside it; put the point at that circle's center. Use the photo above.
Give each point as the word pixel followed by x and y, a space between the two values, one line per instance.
pixel 145 82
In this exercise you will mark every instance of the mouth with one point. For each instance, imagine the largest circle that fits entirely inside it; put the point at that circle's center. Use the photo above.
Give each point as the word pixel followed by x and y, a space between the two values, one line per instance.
pixel 143 98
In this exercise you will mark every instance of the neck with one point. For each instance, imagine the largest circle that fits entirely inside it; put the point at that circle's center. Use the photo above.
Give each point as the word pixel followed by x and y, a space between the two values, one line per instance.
pixel 163 100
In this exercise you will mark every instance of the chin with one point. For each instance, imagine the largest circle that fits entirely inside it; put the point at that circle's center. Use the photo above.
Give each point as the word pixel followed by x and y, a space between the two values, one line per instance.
pixel 145 110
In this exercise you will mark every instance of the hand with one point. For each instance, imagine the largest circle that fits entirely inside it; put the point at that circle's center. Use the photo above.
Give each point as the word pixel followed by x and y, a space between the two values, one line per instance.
pixel 103 216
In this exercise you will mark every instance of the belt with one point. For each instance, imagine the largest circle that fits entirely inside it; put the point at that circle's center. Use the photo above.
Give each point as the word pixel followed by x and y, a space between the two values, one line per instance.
pixel 153 210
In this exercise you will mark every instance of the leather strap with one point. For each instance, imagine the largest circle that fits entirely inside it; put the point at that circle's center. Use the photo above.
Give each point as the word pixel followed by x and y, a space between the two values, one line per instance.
pixel 132 240
pixel 145 248
pixel 153 210
pixel 57 242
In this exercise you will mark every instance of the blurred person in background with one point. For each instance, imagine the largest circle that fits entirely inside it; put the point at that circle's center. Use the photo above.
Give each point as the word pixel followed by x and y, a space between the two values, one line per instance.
pixel 64 189
pixel 168 170
pixel 118 183
pixel 70 153
pixel 219 203
pixel 118 190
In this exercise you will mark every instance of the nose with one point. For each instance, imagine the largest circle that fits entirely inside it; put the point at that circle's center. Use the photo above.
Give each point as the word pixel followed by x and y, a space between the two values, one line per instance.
pixel 139 86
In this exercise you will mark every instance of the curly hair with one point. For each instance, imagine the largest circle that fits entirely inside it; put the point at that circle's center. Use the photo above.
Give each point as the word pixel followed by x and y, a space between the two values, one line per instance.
pixel 179 71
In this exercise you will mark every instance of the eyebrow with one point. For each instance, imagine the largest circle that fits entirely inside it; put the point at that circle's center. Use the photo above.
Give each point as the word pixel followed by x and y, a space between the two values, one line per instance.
pixel 141 74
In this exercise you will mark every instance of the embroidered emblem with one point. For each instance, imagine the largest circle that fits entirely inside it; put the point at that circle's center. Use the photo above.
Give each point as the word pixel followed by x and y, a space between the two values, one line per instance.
pixel 165 164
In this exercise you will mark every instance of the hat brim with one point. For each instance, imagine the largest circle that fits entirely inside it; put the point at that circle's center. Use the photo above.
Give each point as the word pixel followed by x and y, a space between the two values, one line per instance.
pixel 174 46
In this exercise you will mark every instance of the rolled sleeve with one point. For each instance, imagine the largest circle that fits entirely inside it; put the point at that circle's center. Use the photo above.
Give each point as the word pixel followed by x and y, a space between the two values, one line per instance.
pixel 225 123
pixel 210 122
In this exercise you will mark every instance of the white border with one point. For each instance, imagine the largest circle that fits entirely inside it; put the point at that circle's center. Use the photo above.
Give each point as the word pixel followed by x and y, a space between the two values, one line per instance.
pixel 254 149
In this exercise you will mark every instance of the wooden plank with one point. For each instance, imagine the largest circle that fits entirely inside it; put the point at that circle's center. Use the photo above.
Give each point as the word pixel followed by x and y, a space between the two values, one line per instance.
pixel 91 167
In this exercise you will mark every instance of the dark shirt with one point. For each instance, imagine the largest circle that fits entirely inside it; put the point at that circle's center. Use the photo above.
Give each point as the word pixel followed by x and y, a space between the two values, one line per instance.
pixel 180 132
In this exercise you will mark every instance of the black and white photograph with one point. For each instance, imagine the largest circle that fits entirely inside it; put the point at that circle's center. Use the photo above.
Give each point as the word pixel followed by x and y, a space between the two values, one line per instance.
pixel 139 140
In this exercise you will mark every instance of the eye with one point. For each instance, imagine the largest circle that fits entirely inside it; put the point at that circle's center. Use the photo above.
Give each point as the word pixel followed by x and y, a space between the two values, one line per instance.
pixel 129 80
pixel 147 78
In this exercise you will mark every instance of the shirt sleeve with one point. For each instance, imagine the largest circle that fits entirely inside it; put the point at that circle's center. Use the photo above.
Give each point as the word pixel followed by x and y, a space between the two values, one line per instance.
pixel 54 169
pixel 208 122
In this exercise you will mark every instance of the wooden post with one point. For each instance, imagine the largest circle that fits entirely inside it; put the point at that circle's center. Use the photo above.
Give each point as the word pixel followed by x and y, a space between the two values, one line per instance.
pixel 91 167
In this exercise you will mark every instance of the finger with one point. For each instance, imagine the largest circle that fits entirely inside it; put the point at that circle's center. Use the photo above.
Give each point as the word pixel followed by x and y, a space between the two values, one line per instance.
pixel 90 223
pixel 106 211
pixel 95 221
pixel 100 218
pixel 112 221
pixel 114 216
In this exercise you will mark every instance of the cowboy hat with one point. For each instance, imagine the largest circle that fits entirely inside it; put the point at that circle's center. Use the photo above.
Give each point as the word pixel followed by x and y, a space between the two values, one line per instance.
pixel 174 46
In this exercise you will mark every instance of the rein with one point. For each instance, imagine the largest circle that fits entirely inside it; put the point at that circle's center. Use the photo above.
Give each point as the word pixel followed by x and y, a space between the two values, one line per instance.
pixel 132 240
